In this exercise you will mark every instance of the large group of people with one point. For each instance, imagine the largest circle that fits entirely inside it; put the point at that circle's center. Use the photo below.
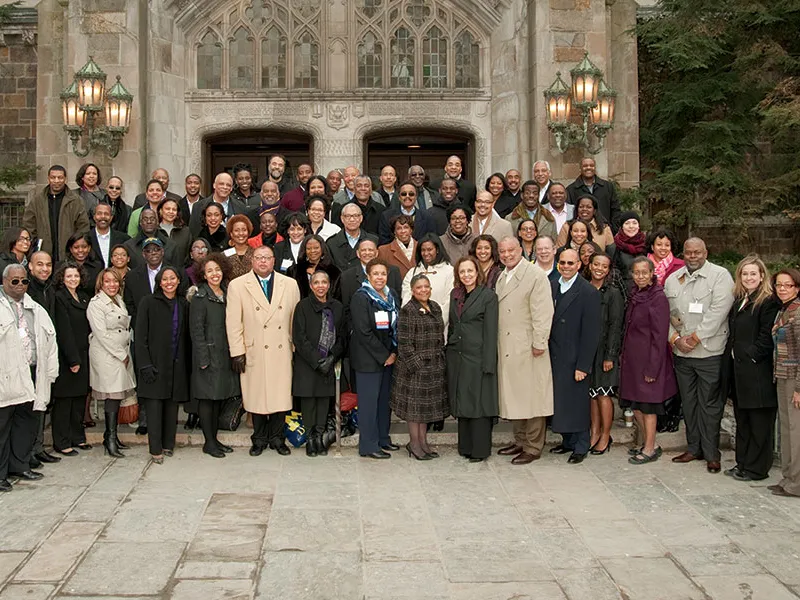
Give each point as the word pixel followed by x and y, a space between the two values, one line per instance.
pixel 528 301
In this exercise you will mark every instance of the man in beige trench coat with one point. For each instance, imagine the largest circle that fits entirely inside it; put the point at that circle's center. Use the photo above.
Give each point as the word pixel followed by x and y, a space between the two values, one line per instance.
pixel 258 320
pixel 525 379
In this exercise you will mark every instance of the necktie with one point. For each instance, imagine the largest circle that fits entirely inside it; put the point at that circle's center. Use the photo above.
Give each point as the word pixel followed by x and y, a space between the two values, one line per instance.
pixel 24 333
pixel 265 285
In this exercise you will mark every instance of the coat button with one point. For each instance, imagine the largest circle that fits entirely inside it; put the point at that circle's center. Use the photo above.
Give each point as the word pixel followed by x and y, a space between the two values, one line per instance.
pixel 266 347
pixel 279 326
pixel 265 326
pixel 280 346
pixel 258 308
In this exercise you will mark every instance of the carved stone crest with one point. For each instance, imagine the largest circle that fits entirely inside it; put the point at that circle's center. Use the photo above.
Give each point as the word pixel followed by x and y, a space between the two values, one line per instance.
pixel 358 109
pixel 338 116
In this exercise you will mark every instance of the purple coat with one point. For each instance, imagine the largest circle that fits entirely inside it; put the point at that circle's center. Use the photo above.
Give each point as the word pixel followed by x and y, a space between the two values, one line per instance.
pixel 645 348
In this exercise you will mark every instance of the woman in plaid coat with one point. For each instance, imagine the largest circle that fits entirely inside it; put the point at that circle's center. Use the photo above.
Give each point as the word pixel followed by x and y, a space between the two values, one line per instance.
pixel 419 391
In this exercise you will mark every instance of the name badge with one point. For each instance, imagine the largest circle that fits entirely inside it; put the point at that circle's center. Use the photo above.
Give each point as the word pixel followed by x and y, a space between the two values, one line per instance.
pixel 229 252
pixel 382 319
pixel 287 262
pixel 22 333
pixel 696 308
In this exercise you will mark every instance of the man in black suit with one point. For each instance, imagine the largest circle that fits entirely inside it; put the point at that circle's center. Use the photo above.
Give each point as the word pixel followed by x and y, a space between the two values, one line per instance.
pixel 103 237
pixel 342 245
pixel 187 204
pixel 163 176
pixel 589 183
pixel 148 228
pixel 423 222
pixel 574 337
pixel 466 189
pixel 352 278
pixel 223 186
pixel 370 210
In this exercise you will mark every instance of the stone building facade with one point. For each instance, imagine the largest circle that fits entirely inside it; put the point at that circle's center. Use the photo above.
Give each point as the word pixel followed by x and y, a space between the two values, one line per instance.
pixel 340 79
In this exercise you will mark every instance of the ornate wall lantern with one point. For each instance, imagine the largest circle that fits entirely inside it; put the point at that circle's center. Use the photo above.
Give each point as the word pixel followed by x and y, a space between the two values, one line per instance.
pixel 83 100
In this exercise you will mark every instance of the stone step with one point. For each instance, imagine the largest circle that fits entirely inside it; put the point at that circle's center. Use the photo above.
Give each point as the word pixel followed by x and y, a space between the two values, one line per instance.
pixel 448 437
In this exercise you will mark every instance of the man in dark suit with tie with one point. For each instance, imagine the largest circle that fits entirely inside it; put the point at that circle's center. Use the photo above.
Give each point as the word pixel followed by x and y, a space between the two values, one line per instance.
pixel 103 237
pixel 574 337
pixel 343 245
pixel 223 186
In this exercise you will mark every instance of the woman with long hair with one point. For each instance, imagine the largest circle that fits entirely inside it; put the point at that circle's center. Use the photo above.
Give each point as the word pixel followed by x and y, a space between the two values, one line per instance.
pixel 111 373
pixel 586 210
pixel 179 238
pixel 88 179
pixel 16 247
pixel 578 233
pixel 213 230
pixel 747 369
pixel 317 208
pixel 433 262
pixel 213 381
pixel 497 186
pixel 240 253
pixel 484 249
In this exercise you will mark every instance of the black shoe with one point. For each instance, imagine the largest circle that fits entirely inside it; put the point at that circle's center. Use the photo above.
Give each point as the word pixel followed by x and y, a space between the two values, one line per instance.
pixel 281 449
pixel 733 470
pixel 377 455
pixel 168 453
pixel 34 463
pixel 560 449
pixel 84 446
pixel 122 446
pixel 28 475
pixel 70 452
pixel 110 443
pixel 741 476
pixel 256 450
pixel 322 449
pixel 141 430
pixel 575 459
pixel 598 452
pixel 5 485
pixel 46 457
pixel 411 453
pixel 476 460
pixel 191 421
pixel 390 447
pixel 224 447
pixel 215 452
pixel 311 446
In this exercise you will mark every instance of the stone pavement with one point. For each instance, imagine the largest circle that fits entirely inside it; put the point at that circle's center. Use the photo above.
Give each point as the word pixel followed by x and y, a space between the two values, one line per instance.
pixel 346 528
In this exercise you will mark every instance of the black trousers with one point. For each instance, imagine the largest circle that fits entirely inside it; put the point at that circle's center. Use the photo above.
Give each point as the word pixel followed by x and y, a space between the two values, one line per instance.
pixel 66 417
pixel 755 434
pixel 475 437
pixel 315 413
pixel 268 429
pixel 162 424
pixel 209 421
pixel 18 427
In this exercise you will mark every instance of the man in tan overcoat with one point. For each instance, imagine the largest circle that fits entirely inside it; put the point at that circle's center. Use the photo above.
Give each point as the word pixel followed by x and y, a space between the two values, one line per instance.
pixel 258 320
pixel 525 379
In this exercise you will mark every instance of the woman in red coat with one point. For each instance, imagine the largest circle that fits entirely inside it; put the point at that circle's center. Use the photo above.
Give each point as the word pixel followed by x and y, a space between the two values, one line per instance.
pixel 646 375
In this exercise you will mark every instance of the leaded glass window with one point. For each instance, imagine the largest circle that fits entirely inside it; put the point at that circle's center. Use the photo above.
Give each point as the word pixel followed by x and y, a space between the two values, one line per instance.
pixel 306 62
pixel 402 59
pixel 370 62
pixel 241 59
pixel 273 59
pixel 209 63
pixel 434 59
pixel 467 56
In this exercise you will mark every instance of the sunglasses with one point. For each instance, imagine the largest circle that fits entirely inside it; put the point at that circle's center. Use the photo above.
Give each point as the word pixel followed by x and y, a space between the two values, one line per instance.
pixel 407 194
pixel 567 263
pixel 24 281
pixel 114 187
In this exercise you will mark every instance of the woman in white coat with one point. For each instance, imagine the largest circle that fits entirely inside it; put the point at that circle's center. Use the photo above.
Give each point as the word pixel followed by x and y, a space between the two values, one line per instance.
pixel 433 262
pixel 110 364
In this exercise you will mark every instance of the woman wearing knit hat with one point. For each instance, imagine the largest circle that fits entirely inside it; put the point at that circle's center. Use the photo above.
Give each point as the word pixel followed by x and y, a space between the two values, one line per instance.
pixel 630 243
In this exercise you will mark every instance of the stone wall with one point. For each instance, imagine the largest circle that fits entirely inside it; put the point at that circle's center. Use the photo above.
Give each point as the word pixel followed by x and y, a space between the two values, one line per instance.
pixel 18 62
pixel 770 237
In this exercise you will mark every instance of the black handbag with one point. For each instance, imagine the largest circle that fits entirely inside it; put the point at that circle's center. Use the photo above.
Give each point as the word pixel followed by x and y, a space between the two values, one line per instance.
pixel 230 414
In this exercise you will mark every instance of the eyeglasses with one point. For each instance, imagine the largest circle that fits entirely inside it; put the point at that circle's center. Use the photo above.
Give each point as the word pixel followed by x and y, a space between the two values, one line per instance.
pixel 455 218
pixel 23 238
pixel 416 175
pixel 113 187
pixel 784 286
pixel 567 263
pixel 350 216
pixel 17 281
pixel 200 250
pixel 408 194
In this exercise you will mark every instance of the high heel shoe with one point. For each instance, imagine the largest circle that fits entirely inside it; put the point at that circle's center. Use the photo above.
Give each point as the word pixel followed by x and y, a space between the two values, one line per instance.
pixel 159 460
pixel 412 453
pixel 596 452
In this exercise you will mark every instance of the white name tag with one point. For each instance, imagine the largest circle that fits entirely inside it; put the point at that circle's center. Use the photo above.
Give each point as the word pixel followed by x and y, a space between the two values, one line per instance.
pixel 230 252
pixel 696 308
pixel 382 319
pixel 22 333
pixel 287 262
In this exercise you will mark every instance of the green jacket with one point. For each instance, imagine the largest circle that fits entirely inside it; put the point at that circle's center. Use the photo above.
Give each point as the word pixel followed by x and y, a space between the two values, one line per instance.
pixel 72 218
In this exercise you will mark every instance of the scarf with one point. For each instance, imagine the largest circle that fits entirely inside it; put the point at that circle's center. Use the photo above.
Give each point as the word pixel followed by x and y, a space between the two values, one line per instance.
pixel 631 245
pixel 327 334
pixel 662 267
pixel 388 305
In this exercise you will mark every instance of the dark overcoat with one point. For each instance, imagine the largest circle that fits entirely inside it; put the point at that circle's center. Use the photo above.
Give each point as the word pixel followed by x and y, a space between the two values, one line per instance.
pixel 472 355
pixel 370 347
pixel 419 389
pixel 747 376
pixel 72 335
pixel 645 348
pixel 212 377
pixel 153 344
pixel 307 382
pixel 573 343
pixel 612 317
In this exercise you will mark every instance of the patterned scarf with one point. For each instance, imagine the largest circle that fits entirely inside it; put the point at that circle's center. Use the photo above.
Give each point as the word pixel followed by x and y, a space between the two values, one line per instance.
pixel 388 305
pixel 327 334
pixel 662 267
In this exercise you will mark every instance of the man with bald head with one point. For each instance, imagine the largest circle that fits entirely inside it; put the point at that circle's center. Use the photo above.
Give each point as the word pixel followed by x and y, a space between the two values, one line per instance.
pixel 453 169
pixel 161 175
pixel 334 180
pixel 514 183
pixel 700 296
pixel 223 186
pixel 342 245
pixel 348 190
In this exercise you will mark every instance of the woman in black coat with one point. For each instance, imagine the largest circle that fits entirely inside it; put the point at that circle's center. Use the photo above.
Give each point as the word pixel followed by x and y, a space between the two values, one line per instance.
pixel 605 373
pixel 212 378
pixel 161 339
pixel 374 310
pixel 747 369
pixel 319 338
pixel 72 385
pixel 314 256
pixel 472 359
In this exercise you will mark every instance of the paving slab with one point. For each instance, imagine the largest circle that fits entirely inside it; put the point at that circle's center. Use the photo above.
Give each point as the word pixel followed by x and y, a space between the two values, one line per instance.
pixel 220 589
pixel 314 530
pixel 651 579
pixel 27 591
pixel 53 560
pixel 10 561
pixel 239 543
pixel 198 569
pixel 95 506
pixel 541 590
pixel 238 509
pixel 482 561
pixel 405 580
pixel 587 584
pixel 311 576
pixel 778 553
pixel 745 587
pixel 609 539
pixel 726 559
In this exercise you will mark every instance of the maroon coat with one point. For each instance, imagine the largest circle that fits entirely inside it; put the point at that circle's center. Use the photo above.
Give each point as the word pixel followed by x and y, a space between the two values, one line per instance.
pixel 294 200
pixel 645 348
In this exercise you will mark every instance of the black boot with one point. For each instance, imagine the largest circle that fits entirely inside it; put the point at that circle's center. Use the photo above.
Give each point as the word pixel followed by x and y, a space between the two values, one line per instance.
pixel 311 445
pixel 322 449
pixel 110 435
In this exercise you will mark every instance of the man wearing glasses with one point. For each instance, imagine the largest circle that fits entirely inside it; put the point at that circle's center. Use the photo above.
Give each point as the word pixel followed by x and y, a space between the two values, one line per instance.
pixel 423 223
pixel 574 337
pixel 425 196
pixel 29 367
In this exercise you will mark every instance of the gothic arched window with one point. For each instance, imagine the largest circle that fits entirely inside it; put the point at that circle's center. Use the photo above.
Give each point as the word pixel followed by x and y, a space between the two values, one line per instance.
pixel 370 62
pixel 403 58
pixel 306 62
pixel 434 59
pixel 241 59
pixel 467 55
pixel 209 63
pixel 273 59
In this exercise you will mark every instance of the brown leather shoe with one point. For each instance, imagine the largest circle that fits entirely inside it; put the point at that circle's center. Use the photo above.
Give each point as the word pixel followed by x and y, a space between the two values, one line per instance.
pixel 782 492
pixel 775 488
pixel 686 457
pixel 510 450
pixel 713 466
pixel 524 458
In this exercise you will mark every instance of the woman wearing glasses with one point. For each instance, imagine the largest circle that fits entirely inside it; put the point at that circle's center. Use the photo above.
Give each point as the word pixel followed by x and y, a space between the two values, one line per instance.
pixel 120 211
pixel 16 247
